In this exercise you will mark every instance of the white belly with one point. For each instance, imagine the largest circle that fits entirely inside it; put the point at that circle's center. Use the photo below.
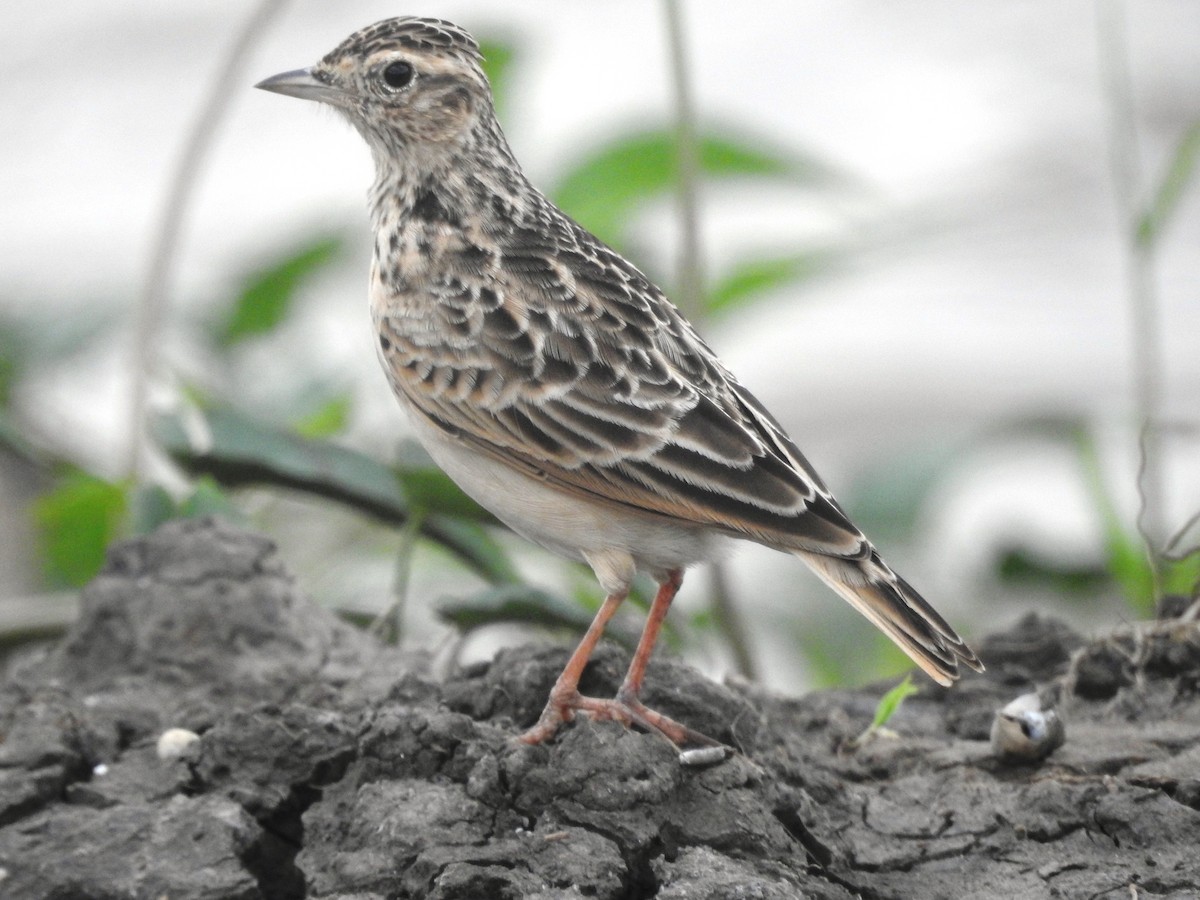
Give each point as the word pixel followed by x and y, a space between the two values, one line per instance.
pixel 564 523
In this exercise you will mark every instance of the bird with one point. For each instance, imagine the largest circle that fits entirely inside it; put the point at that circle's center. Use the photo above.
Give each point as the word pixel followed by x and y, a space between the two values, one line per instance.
pixel 558 386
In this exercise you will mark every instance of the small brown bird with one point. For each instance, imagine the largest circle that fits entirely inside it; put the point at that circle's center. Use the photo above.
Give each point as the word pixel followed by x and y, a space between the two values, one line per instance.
pixel 559 387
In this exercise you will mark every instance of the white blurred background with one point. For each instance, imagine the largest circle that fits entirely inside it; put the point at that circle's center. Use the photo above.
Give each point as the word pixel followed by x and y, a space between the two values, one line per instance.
pixel 982 278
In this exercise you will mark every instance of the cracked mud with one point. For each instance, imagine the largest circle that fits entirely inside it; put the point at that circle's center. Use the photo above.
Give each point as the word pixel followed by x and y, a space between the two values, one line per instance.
pixel 329 766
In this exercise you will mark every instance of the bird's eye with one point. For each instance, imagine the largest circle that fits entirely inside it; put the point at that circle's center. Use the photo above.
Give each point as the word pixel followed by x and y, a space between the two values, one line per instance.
pixel 398 75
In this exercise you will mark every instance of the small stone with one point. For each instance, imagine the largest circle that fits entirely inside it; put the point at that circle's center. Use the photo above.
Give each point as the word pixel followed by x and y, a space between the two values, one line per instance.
pixel 174 742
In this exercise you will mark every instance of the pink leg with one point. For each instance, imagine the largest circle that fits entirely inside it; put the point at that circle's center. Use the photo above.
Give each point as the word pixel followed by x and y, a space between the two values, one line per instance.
pixel 564 696
pixel 627 708
pixel 631 687
pixel 629 694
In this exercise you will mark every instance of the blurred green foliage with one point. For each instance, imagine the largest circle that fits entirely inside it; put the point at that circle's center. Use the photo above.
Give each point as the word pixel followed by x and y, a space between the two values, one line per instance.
pixel 151 505
pixel 266 299
pixel 605 189
pixel 498 58
pixel 754 278
pixel 1171 188
pixel 76 522
pixel 330 418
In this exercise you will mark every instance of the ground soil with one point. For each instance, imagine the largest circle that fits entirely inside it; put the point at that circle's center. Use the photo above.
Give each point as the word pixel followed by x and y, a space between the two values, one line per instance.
pixel 330 766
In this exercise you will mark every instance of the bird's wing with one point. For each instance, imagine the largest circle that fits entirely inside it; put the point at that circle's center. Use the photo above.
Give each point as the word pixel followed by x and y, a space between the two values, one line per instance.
pixel 559 358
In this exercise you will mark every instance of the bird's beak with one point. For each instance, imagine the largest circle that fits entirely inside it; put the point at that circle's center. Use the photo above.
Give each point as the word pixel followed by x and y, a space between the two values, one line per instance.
pixel 301 83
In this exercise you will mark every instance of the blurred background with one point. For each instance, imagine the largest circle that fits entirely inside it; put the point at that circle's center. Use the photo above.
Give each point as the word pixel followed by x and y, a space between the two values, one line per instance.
pixel 929 235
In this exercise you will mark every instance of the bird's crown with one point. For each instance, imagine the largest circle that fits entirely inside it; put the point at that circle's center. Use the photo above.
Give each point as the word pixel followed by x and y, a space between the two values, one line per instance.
pixel 409 33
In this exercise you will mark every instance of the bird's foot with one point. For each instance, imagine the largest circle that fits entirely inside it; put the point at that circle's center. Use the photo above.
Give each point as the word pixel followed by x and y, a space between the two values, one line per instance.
pixel 628 710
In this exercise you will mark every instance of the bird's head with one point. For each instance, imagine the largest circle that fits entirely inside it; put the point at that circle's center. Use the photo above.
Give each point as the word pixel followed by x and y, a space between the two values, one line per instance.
pixel 412 87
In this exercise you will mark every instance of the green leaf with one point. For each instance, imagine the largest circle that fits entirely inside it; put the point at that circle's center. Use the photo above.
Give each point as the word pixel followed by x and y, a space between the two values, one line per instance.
pixel 752 278
pixel 603 190
pixel 1182 576
pixel 497 66
pixel 267 297
pixel 890 702
pixel 75 524
pixel 328 419
pixel 1172 188
pixel 238 451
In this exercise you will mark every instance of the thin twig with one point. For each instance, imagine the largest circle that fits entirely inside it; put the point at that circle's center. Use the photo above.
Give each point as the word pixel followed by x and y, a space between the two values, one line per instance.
pixel 1117 81
pixel 1172 552
pixel 731 622
pixel 389 624
pixel 689 271
pixel 152 300
pixel 690 286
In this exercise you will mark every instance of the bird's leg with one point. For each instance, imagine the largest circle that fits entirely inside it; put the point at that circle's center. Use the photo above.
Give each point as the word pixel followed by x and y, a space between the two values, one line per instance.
pixel 627 708
pixel 631 687
pixel 629 694
pixel 564 696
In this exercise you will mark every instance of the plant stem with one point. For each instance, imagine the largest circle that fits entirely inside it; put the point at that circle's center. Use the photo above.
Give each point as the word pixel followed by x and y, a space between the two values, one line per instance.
pixel 389 624
pixel 1140 252
pixel 689 294
pixel 152 300
pixel 731 622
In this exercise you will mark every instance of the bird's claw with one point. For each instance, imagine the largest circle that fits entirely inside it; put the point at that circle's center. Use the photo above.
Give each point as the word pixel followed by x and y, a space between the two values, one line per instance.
pixel 628 710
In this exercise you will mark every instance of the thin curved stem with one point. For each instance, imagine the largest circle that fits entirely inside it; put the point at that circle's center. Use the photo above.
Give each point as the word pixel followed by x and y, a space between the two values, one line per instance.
pixel 152 299
pixel 689 293
pixel 1126 169
pixel 689 282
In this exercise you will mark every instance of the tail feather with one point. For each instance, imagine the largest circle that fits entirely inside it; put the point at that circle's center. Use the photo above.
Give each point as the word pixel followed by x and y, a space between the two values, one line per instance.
pixel 897 610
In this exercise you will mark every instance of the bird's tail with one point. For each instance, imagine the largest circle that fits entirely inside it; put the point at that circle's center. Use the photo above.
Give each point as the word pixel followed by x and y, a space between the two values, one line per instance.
pixel 899 611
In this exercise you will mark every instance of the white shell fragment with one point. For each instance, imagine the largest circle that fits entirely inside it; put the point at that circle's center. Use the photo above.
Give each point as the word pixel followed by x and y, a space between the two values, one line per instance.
pixel 173 742
pixel 700 757
pixel 1025 730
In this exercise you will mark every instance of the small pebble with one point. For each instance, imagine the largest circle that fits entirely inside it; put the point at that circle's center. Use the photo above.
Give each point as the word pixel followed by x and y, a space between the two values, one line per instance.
pixel 100 769
pixel 173 743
